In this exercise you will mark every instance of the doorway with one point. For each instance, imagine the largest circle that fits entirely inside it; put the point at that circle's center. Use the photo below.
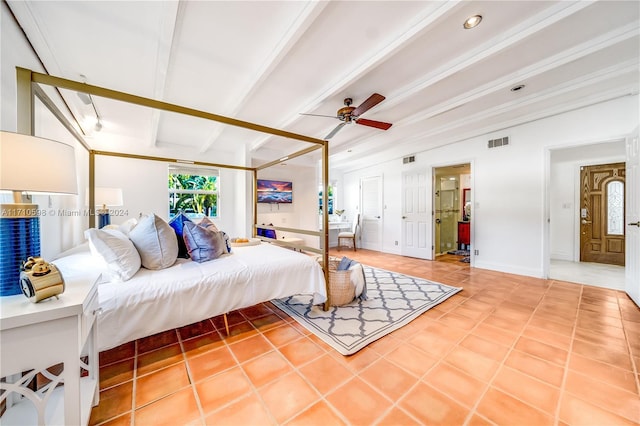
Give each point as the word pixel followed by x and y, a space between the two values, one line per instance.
pixel 602 213
pixel 452 212
pixel 565 204
pixel 371 221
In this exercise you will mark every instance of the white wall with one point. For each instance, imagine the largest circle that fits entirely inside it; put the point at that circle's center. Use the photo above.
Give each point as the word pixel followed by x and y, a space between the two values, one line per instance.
pixel 302 213
pixel 144 191
pixel 508 182
pixel 64 219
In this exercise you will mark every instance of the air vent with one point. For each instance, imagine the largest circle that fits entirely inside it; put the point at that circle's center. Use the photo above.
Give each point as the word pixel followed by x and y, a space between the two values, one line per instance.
pixel 409 159
pixel 494 143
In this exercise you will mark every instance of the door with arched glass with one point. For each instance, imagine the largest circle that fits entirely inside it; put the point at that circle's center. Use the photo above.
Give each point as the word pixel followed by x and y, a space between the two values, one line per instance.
pixel 602 213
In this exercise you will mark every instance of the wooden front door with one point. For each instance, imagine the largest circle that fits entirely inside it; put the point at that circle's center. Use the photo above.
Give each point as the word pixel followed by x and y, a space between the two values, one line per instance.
pixel 602 213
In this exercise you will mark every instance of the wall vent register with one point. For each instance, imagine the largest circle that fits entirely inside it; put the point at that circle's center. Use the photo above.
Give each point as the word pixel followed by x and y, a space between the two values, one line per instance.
pixel 409 159
pixel 494 143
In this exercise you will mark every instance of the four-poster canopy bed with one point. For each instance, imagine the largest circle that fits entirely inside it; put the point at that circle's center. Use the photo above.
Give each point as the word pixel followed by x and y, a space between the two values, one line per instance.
pixel 29 87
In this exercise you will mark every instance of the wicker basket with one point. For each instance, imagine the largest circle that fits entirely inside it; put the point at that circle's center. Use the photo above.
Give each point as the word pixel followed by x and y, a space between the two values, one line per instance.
pixel 341 290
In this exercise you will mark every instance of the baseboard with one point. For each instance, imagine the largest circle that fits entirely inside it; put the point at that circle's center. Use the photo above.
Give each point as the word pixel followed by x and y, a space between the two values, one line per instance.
pixel 509 269
pixel 562 256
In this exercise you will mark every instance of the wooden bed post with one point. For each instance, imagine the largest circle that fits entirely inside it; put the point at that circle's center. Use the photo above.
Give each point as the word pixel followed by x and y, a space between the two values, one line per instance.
pixel 325 220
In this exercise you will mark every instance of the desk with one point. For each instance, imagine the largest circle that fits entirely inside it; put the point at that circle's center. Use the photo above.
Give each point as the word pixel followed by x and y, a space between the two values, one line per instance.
pixel 36 336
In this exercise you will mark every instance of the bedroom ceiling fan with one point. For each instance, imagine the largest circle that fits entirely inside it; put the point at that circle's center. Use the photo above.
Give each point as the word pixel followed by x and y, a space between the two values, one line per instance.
pixel 349 114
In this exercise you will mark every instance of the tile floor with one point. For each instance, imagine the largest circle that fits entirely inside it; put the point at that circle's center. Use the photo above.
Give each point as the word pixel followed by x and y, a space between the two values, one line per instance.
pixel 508 350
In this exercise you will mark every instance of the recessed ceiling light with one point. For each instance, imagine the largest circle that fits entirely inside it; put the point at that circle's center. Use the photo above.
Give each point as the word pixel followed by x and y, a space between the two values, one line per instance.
pixel 518 87
pixel 472 21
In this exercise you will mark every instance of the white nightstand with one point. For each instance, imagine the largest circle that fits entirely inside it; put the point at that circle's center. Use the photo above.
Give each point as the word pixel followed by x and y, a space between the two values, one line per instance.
pixel 36 336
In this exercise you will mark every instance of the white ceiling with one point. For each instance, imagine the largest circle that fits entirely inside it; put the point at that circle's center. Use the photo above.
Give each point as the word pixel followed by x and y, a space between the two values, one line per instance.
pixel 268 61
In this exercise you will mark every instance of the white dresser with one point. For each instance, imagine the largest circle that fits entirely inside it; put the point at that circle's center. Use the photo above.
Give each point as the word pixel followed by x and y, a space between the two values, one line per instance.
pixel 36 336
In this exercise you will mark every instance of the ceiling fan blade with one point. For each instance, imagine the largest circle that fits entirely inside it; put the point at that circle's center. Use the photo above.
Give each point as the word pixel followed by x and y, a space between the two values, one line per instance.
pixel 318 115
pixel 372 101
pixel 334 131
pixel 373 123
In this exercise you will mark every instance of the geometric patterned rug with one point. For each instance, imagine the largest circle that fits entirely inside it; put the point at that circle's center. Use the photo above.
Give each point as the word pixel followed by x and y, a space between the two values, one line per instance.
pixel 394 300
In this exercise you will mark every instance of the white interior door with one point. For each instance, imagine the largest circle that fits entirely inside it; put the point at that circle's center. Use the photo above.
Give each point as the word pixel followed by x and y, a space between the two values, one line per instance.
pixel 371 221
pixel 632 260
pixel 415 217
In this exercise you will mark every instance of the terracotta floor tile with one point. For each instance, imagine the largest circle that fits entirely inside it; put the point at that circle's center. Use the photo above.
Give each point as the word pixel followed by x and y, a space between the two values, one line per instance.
pixel 160 358
pixel 221 389
pixel 404 373
pixel 318 414
pixel 301 351
pixel 116 373
pixel 266 322
pixel 288 397
pixel 527 389
pixel 503 409
pixel 256 311
pixel 239 331
pixel 358 402
pixel 431 344
pixel 624 379
pixel 550 325
pixel 358 361
pixel 484 347
pixel 542 350
pixel 210 363
pixel 388 379
pixel 383 346
pixel 561 341
pixel 326 373
pixel 196 329
pixel 575 411
pixel 397 417
pixel 246 411
pixel 282 335
pixel 177 408
pixel 623 403
pixel 161 383
pixel 233 318
pixel 456 384
pixel 119 353
pixel 453 319
pixel 478 420
pixel 432 407
pixel 514 326
pixel 496 335
pixel 249 348
pixel 123 420
pixel 602 354
pixel 535 367
pixel 203 343
pixel 412 360
pixel 157 341
pixel 114 401
pixel 266 368
pixel 472 363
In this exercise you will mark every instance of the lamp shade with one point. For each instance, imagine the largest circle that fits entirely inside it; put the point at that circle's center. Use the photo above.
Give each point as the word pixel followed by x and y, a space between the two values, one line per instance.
pixel 34 164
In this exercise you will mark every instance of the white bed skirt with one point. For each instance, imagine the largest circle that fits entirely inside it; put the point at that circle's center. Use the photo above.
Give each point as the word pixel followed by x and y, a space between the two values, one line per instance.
pixel 188 292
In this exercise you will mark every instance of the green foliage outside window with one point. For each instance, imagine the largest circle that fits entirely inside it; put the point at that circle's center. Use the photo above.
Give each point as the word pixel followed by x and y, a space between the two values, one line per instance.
pixel 195 195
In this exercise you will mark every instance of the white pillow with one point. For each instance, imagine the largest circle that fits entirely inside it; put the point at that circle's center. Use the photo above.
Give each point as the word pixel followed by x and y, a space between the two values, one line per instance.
pixel 357 278
pixel 156 242
pixel 128 225
pixel 115 249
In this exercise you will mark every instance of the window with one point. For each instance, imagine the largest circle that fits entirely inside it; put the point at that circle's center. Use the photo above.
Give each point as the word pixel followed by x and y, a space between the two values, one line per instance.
pixel 329 199
pixel 615 208
pixel 194 191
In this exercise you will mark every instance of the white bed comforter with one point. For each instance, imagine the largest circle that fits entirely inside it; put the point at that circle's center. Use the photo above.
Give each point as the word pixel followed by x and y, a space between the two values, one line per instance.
pixel 188 292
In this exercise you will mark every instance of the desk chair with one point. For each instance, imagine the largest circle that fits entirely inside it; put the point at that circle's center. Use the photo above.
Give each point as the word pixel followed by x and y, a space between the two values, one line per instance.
pixel 350 235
